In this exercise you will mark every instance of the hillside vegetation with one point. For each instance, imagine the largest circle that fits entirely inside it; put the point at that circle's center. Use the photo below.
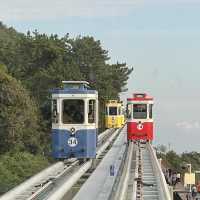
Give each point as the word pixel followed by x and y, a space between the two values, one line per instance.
pixel 178 162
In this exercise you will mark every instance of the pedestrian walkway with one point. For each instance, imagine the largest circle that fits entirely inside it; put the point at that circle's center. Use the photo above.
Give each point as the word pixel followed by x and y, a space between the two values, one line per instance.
pixel 180 190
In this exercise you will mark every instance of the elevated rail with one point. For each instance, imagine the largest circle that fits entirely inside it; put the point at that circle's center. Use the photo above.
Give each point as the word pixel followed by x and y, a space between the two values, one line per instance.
pixel 41 182
pixel 163 189
pixel 151 183
pixel 99 185
pixel 142 177
pixel 25 189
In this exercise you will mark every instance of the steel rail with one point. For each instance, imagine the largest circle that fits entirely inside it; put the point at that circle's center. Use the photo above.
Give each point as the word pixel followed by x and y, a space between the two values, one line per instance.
pixel 104 134
pixel 151 184
pixel 142 177
pixel 163 188
pixel 47 186
pixel 35 180
pixel 104 181
pixel 124 182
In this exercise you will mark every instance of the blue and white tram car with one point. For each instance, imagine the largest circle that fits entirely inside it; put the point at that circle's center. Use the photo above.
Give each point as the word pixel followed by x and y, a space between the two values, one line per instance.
pixel 74 121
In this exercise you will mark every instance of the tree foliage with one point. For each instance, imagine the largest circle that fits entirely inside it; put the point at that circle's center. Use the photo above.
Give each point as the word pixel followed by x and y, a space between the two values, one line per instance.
pixel 19 116
pixel 15 167
pixel 178 162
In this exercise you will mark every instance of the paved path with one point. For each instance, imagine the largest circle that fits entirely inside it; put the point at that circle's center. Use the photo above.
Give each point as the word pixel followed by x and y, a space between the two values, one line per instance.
pixel 180 187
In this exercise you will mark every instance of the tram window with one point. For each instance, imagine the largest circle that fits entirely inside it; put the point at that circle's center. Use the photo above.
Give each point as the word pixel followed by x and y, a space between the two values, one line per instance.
pixel 112 110
pixel 150 111
pixel 73 111
pixel 139 111
pixel 54 111
pixel 91 111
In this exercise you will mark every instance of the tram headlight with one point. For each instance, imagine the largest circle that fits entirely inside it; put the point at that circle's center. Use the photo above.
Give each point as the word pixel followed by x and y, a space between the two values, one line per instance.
pixel 72 130
pixel 140 126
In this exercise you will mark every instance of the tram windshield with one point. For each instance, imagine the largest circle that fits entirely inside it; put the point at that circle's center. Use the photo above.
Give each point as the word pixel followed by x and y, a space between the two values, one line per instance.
pixel 112 110
pixel 139 111
pixel 73 111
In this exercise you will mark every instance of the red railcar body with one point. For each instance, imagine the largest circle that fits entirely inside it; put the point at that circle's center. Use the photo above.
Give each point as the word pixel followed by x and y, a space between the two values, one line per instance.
pixel 140 120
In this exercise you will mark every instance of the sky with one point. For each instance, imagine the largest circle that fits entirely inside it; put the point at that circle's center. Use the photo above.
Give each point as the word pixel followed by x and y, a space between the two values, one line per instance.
pixel 159 38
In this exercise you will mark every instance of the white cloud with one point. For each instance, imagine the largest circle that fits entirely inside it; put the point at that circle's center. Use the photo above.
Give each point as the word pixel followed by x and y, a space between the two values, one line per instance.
pixel 171 1
pixel 49 9
pixel 25 10
pixel 188 125
pixel 20 10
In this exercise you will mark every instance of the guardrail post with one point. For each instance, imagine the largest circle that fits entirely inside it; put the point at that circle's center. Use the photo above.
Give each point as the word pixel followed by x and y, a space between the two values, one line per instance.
pixel 171 190
pixel 160 161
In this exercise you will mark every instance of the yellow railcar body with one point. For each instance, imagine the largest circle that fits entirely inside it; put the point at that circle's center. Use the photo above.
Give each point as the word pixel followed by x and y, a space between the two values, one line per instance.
pixel 114 121
pixel 114 117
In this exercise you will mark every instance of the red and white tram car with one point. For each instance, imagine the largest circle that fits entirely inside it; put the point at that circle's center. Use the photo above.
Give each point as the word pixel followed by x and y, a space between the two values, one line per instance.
pixel 139 117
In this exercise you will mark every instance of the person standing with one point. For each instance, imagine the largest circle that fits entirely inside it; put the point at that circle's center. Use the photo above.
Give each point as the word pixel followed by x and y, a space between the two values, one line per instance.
pixel 174 179
pixel 178 177
pixel 194 191
pixel 198 187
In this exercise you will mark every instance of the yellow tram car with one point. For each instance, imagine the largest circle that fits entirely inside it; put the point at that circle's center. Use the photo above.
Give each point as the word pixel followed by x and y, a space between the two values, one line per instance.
pixel 114 117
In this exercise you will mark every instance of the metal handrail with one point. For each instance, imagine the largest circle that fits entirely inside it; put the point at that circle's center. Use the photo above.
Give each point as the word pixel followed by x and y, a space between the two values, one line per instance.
pixel 162 186
pixel 10 195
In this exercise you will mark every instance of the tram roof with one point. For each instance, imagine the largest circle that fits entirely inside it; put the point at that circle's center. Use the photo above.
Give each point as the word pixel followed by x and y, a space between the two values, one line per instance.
pixel 76 82
pixel 73 91
pixel 114 101
pixel 140 97
pixel 74 87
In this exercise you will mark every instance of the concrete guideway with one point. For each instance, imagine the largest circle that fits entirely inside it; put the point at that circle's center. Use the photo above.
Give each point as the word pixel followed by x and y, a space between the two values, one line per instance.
pixel 143 179
pixel 152 182
pixel 150 185
pixel 126 186
pixel 138 175
pixel 99 185
pixel 25 189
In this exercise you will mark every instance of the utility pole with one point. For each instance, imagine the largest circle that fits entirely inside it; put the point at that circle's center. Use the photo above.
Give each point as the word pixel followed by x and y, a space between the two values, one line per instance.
pixel 190 171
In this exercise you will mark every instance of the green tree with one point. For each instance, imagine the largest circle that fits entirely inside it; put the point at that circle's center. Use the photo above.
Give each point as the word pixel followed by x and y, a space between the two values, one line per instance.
pixel 15 167
pixel 19 117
